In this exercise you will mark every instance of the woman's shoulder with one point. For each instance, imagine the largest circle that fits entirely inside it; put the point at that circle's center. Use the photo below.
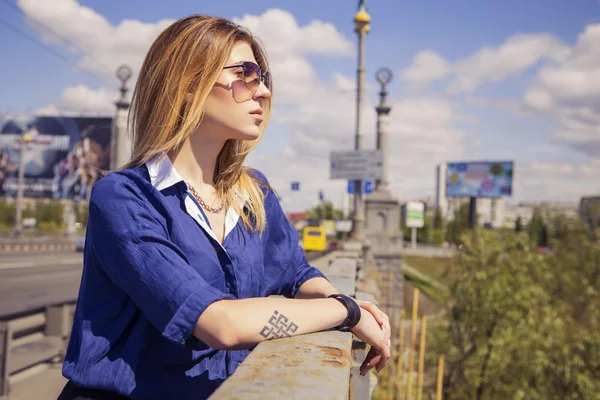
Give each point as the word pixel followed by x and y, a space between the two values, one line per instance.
pixel 258 176
pixel 130 182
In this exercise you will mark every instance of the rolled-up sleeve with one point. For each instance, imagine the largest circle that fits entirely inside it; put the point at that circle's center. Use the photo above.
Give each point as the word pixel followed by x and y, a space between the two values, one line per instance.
pixel 128 237
pixel 283 254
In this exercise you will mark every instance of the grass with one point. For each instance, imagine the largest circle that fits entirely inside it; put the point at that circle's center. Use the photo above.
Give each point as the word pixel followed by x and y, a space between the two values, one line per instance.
pixel 434 293
pixel 430 266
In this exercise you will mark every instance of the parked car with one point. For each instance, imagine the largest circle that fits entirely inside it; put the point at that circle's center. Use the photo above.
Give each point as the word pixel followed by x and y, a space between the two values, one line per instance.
pixel 335 245
pixel 80 244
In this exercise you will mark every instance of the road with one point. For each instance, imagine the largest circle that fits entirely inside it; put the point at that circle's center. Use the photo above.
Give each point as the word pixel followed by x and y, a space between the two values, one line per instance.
pixel 30 281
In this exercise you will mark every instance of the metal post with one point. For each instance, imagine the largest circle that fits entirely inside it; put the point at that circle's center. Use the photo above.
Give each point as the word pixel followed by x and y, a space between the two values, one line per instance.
pixel 120 148
pixel 20 183
pixel 4 349
pixel 361 27
pixel 473 212
pixel 384 77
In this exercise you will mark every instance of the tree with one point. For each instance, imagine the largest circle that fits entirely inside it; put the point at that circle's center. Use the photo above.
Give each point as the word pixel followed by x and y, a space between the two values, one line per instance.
pixel 438 222
pixel 536 225
pixel 518 225
pixel 460 224
pixel 521 325
pixel 325 210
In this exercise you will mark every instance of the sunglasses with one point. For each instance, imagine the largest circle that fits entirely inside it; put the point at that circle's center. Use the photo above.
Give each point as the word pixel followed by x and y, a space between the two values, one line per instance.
pixel 253 76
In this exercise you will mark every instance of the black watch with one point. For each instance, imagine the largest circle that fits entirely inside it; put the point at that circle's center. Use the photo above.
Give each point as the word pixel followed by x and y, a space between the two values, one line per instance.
pixel 353 317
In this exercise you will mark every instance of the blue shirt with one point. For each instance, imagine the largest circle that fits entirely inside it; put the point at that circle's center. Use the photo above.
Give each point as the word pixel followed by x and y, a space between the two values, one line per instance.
pixel 152 265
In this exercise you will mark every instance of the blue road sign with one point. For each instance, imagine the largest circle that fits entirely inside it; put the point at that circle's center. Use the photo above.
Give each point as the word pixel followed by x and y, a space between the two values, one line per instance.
pixel 350 187
pixel 321 195
pixel 367 187
pixel 295 186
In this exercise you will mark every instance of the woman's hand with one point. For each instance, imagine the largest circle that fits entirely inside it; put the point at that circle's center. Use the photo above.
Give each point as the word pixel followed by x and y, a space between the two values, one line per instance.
pixel 371 332
pixel 381 317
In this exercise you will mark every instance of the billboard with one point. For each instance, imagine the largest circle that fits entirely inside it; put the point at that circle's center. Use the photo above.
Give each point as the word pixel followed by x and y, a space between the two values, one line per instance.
pixel 479 179
pixel 63 159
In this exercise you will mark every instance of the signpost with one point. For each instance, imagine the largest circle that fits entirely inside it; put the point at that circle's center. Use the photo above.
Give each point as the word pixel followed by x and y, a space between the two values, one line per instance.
pixel 357 165
pixel 415 218
pixel 367 187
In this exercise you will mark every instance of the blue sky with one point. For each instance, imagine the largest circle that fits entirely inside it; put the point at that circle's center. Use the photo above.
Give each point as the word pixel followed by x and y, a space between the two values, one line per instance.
pixel 399 30
pixel 496 118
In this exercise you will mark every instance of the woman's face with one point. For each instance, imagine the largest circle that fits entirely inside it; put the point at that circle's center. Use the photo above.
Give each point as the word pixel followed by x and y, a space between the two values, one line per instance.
pixel 233 111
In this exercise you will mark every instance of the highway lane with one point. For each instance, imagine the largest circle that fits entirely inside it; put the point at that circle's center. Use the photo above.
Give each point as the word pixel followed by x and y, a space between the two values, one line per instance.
pixel 30 281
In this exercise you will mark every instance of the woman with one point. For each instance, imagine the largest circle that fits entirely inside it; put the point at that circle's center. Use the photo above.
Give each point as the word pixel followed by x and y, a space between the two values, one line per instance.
pixel 184 245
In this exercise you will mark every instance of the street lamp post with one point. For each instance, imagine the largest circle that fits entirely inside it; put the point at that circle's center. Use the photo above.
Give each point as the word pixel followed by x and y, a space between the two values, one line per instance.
pixel 384 77
pixel 362 21
pixel 23 145
pixel 120 149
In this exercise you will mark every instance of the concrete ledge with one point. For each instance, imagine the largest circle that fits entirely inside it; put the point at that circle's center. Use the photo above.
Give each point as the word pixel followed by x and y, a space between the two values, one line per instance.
pixel 314 366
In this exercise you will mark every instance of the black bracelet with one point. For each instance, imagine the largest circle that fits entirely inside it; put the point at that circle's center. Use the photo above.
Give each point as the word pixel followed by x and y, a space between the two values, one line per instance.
pixel 353 317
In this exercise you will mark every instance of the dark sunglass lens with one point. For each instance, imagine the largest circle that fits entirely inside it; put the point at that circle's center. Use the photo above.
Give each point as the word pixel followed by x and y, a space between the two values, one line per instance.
pixel 267 78
pixel 251 75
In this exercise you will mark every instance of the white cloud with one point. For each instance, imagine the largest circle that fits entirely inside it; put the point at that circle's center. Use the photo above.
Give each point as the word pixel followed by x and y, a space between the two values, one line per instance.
pixel 281 35
pixel 566 89
pixel 557 180
pixel 106 46
pixel 427 66
pixel 570 91
pixel 489 64
pixel 318 114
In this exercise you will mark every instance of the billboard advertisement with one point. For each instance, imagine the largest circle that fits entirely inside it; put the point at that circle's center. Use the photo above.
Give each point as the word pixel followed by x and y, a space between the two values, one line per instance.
pixel 63 160
pixel 479 179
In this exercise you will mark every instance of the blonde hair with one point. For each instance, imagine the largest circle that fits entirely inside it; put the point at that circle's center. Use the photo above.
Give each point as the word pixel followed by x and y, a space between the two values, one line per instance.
pixel 187 58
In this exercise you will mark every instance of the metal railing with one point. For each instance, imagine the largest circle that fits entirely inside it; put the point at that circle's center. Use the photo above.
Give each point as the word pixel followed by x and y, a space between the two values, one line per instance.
pixel 31 339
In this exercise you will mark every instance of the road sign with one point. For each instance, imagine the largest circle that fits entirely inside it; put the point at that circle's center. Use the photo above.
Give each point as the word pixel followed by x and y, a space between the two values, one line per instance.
pixel 368 187
pixel 360 165
pixel 321 195
pixel 415 214
pixel 295 186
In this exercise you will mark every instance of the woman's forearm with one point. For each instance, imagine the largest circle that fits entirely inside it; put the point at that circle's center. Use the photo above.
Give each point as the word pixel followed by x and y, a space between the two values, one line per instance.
pixel 315 288
pixel 241 324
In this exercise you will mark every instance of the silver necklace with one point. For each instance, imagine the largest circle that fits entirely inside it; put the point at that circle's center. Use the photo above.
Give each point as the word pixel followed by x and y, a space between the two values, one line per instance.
pixel 202 203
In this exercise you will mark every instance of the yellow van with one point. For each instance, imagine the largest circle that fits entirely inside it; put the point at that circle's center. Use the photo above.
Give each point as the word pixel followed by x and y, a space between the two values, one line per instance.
pixel 314 238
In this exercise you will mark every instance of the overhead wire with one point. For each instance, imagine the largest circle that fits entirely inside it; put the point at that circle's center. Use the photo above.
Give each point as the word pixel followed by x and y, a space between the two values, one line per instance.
pixel 51 49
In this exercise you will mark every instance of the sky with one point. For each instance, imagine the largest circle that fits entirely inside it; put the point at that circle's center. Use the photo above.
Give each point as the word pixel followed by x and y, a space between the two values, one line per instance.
pixel 473 80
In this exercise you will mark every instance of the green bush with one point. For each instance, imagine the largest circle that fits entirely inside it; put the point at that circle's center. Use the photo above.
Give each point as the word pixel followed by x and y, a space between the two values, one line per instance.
pixel 49 226
pixel 7 214
pixel 82 214
pixel 50 212
pixel 437 237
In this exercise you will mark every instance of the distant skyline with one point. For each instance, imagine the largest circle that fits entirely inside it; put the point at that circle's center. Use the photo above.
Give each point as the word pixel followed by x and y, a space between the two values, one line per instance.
pixel 477 80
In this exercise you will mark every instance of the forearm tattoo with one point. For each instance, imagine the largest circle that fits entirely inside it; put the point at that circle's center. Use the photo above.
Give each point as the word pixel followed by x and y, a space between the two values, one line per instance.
pixel 279 326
